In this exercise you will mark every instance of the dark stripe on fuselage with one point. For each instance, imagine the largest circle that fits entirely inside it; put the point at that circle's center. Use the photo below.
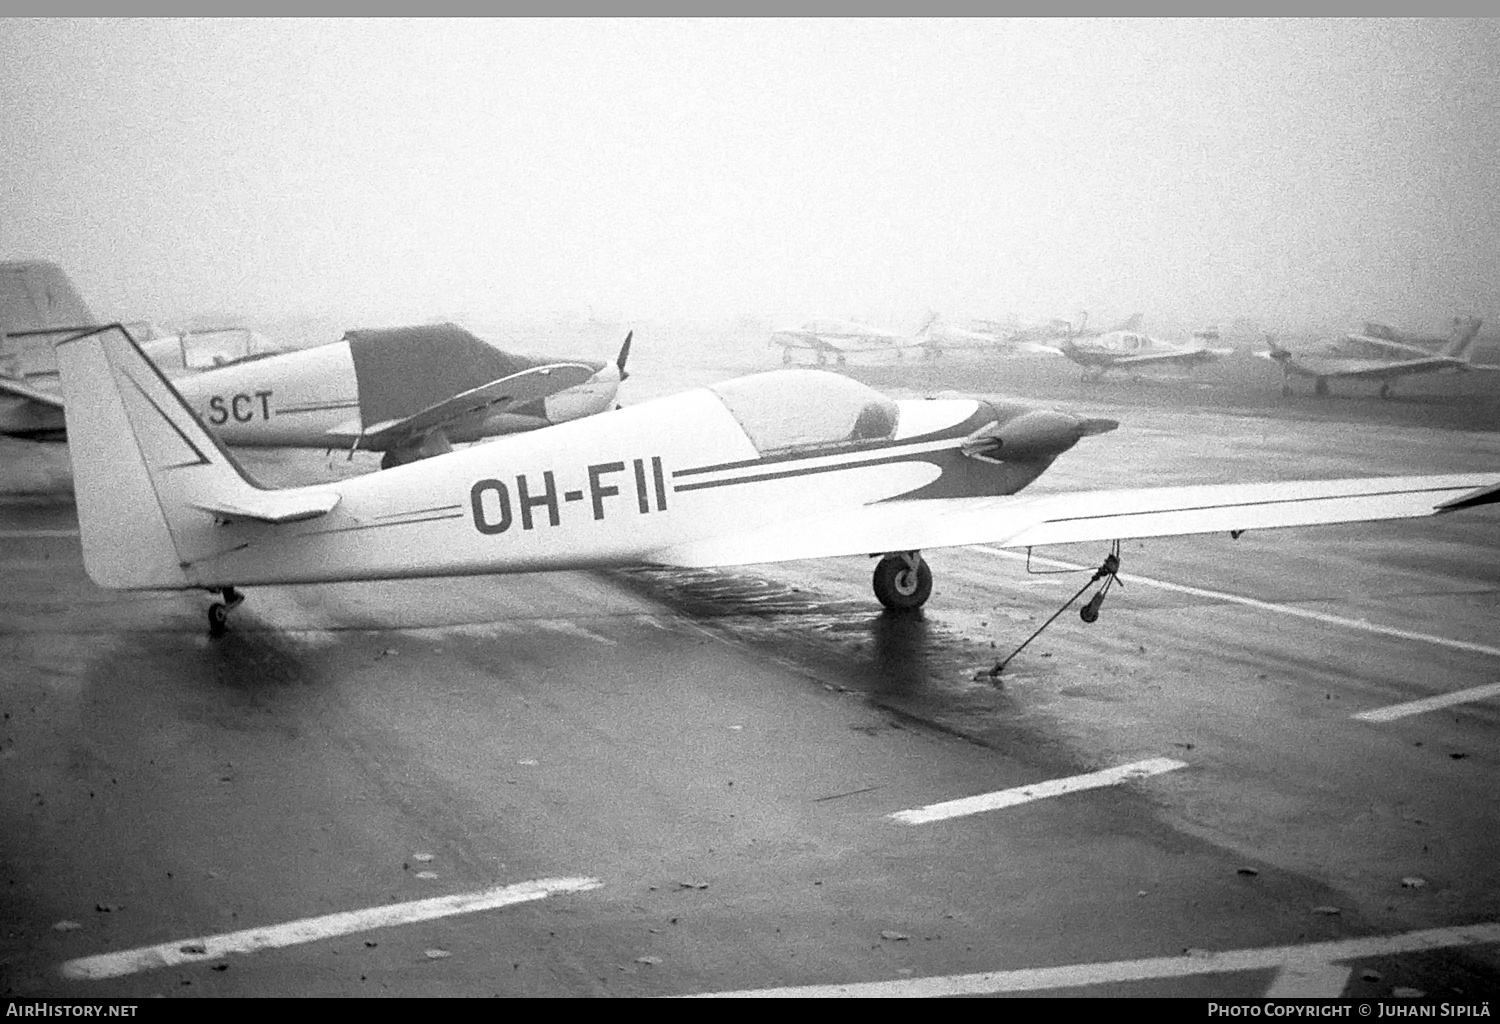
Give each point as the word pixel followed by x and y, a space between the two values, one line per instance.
pixel 381 526
pixel 979 418
pixel 811 470
pixel 422 511
pixel 287 410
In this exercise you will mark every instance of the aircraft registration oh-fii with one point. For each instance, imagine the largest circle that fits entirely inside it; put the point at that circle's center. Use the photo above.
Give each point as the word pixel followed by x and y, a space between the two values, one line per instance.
pixel 784 465
pixel 1379 355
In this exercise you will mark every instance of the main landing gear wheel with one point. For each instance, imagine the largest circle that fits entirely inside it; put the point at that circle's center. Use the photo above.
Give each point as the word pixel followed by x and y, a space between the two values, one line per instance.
pixel 1321 387
pixel 218 612
pixel 903 582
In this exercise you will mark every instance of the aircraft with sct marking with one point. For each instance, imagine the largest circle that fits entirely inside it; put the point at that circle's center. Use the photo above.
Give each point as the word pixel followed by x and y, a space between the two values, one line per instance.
pixel 407 392
pixel 1379 355
pixel 836 340
pixel 1127 348
pixel 784 465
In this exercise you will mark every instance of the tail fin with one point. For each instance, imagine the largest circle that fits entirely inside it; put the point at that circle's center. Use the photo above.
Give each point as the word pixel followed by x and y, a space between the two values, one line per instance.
pixel 37 296
pixel 148 477
pixel 1130 323
pixel 1465 330
pixel 927 326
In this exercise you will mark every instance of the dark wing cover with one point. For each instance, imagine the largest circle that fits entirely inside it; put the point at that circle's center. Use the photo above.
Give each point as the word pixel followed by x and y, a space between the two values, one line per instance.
pixel 403 370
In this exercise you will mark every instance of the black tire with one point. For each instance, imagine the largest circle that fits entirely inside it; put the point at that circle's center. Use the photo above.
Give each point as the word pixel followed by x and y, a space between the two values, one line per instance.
pixel 898 587
pixel 218 619
pixel 1321 387
pixel 1088 613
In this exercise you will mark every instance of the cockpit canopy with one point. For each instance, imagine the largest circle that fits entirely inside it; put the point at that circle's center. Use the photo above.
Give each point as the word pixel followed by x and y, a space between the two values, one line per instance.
pixel 205 350
pixel 790 410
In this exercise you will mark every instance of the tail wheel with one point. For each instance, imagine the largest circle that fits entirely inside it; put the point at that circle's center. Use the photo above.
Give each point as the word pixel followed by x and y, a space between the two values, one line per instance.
pixel 218 618
pixel 899 585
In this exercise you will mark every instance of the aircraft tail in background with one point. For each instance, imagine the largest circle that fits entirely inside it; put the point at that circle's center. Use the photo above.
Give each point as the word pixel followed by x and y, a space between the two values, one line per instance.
pixel 1465 330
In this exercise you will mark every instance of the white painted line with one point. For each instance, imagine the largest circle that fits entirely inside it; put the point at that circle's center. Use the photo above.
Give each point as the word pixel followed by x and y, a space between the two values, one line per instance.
pixel 1037 791
pixel 312 929
pixel 1250 602
pixel 1078 975
pixel 1416 707
pixel 23 534
pixel 1309 979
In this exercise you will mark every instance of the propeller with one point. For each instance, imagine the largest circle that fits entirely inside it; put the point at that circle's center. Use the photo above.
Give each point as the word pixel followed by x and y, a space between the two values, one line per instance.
pixel 624 355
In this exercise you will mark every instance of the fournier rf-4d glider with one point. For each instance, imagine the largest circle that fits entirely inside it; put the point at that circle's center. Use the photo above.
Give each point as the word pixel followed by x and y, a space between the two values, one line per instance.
pixel 1379 355
pixel 784 465
pixel 407 392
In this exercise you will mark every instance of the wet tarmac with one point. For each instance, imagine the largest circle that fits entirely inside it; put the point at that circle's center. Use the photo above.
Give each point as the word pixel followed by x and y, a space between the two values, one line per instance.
pixel 719 754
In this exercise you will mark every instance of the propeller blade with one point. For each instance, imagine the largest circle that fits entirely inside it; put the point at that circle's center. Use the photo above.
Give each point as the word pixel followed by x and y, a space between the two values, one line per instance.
pixel 624 355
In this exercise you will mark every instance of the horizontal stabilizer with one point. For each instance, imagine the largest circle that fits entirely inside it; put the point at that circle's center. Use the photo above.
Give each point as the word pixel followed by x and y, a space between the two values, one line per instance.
pixel 288 506
pixel 15 388
pixel 494 397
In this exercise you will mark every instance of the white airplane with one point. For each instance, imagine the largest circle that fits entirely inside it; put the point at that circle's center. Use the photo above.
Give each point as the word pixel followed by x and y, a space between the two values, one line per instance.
pixel 783 465
pixel 836 340
pixel 1040 329
pixel 1379 355
pixel 1129 349
pixel 941 337
pixel 408 392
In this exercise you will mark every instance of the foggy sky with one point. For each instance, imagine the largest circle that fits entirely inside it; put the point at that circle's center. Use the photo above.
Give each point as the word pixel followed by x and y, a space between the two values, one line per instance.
pixel 1298 171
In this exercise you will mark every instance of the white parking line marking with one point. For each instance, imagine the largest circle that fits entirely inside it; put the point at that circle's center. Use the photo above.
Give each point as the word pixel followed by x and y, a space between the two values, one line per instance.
pixel 1300 958
pixel 23 534
pixel 312 929
pixel 1250 602
pixel 1309 979
pixel 1037 791
pixel 1416 707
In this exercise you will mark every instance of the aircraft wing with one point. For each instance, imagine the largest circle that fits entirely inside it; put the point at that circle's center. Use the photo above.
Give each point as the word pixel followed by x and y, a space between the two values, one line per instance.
pixel 16 389
pixel 1377 369
pixel 1196 355
pixel 496 396
pixel 1026 520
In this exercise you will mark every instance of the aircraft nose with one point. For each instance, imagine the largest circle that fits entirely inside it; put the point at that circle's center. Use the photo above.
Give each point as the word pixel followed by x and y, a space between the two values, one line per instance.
pixel 1039 433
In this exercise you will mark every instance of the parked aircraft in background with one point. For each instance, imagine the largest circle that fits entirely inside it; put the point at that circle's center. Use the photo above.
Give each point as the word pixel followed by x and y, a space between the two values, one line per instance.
pixel 1130 349
pixel 784 465
pixel 1039 330
pixel 1380 357
pixel 39 307
pixel 986 336
pixel 835 340
pixel 408 392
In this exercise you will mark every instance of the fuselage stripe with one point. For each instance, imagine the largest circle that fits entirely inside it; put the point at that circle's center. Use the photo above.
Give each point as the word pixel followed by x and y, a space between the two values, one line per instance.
pixel 803 471
pixel 379 526
pixel 926 442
